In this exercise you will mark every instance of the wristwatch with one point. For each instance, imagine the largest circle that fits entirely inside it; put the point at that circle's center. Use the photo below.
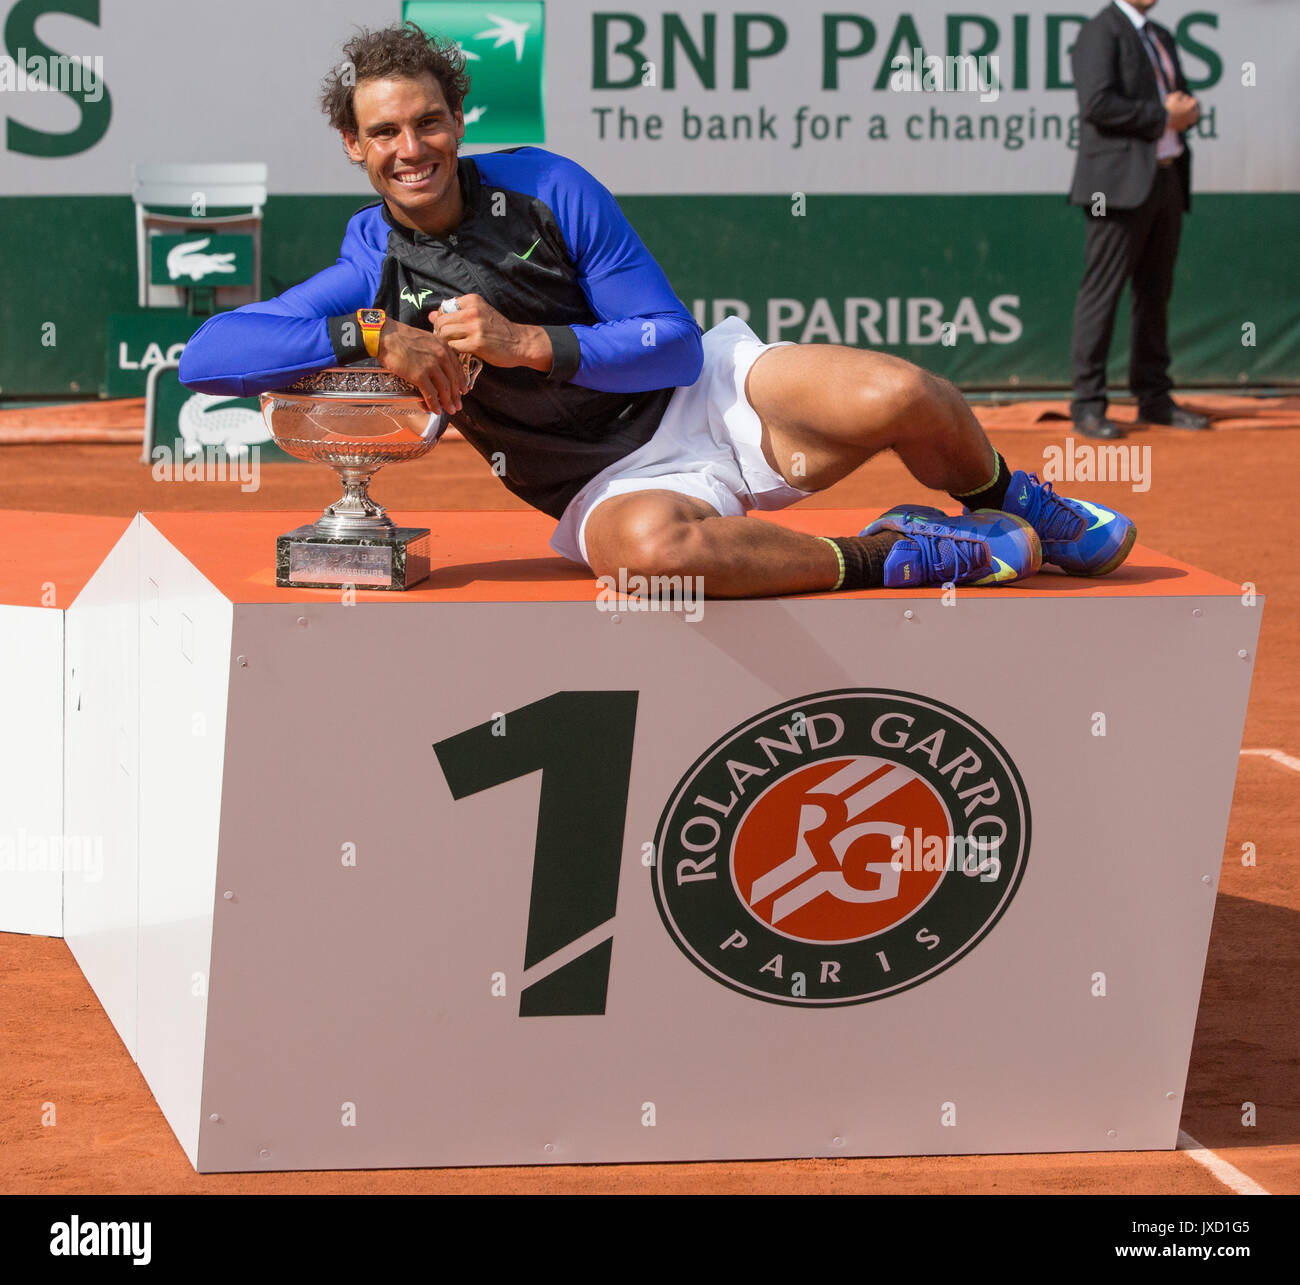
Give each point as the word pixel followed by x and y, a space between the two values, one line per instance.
pixel 371 321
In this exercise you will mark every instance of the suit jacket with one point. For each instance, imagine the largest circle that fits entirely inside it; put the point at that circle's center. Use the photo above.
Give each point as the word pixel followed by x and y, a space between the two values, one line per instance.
pixel 1121 112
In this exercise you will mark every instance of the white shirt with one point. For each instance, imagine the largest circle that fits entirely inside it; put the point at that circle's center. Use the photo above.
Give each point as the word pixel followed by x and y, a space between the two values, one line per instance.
pixel 1170 144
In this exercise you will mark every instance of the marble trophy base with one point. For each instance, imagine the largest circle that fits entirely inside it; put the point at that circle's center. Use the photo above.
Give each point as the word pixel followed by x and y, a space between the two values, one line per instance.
pixel 306 559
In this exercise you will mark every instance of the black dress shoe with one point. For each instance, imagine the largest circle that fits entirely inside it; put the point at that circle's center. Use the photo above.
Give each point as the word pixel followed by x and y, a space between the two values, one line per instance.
pixel 1098 426
pixel 1176 417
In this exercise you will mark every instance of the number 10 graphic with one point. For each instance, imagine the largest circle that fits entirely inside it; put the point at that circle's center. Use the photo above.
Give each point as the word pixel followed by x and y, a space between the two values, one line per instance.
pixel 582 744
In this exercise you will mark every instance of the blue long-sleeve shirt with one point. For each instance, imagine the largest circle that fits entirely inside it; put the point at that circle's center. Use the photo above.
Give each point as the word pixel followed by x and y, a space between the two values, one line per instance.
pixel 545 244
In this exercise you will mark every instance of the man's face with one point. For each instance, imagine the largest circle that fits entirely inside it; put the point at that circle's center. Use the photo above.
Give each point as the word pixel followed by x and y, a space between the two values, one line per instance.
pixel 1142 5
pixel 406 138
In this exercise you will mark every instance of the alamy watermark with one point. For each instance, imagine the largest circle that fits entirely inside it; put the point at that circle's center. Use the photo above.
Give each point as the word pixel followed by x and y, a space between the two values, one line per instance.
pixel 1083 462
pixel 89 1239
pixel 919 73
pixel 974 855
pixel 209 464
pixel 33 853
pixel 26 73
pixel 652 593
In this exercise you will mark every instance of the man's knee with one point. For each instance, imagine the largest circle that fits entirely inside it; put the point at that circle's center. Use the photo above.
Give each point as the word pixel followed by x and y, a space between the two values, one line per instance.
pixel 670 549
pixel 907 396
pixel 646 541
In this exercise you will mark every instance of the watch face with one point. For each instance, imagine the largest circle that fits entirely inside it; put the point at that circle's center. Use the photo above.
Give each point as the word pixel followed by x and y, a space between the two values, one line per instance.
pixel 371 316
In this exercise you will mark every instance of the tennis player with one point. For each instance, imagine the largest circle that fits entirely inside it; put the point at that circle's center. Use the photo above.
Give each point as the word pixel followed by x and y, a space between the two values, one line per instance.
pixel 599 401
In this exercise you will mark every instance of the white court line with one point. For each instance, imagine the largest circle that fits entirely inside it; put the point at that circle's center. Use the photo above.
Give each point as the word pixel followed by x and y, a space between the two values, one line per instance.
pixel 1287 760
pixel 1229 1175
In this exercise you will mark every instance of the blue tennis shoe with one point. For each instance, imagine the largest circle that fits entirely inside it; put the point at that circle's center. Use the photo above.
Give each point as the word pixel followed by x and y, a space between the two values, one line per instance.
pixel 1078 536
pixel 986 548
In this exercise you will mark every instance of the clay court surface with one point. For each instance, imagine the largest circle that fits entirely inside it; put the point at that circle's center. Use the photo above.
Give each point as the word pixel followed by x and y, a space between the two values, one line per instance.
pixel 1222 501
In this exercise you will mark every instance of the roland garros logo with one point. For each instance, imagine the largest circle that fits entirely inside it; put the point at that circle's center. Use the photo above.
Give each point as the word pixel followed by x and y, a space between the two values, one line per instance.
pixel 841 848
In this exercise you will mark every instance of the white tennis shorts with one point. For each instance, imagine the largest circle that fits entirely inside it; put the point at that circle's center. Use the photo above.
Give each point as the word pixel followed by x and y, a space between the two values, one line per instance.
pixel 708 445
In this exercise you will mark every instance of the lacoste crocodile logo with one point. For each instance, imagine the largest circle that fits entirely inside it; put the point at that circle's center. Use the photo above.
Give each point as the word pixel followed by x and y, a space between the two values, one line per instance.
pixel 185 260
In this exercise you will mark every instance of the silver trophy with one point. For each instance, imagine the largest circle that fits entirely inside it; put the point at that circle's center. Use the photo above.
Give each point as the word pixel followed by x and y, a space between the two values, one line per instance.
pixel 355 419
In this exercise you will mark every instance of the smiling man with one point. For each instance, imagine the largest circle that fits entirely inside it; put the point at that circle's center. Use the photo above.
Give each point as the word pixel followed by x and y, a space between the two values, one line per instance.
pixel 599 402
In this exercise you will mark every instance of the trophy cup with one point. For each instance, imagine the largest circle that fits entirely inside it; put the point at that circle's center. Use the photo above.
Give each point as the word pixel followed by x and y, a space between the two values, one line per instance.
pixel 356 419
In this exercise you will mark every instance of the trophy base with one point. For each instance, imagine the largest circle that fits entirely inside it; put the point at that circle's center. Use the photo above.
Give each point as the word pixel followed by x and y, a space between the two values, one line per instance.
pixel 306 559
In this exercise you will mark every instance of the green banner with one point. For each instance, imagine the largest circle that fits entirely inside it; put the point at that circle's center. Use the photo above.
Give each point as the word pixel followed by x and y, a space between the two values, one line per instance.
pixel 502 41
pixel 208 427
pixel 139 341
pixel 979 289
pixel 890 273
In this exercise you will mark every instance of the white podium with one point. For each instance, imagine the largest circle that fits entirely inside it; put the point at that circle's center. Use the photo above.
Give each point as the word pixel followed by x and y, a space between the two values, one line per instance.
pixel 485 873
pixel 45 561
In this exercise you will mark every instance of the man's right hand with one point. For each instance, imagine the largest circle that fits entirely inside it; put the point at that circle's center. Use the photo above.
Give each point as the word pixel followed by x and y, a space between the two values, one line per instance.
pixel 1184 111
pixel 424 360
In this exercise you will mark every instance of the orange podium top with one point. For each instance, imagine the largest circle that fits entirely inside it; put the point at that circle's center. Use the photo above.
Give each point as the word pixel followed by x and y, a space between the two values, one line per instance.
pixel 46 558
pixel 503 556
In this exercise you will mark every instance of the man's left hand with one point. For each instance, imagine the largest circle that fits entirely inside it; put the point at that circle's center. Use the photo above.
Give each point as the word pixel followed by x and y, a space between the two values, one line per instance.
pixel 479 329
pixel 1183 111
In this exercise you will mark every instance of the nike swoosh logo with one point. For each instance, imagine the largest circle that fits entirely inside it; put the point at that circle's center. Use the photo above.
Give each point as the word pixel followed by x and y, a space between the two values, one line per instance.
pixel 1102 515
pixel 1001 571
pixel 530 249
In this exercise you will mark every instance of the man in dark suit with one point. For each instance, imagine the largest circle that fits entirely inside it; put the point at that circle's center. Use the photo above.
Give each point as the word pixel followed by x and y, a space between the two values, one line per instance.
pixel 1133 178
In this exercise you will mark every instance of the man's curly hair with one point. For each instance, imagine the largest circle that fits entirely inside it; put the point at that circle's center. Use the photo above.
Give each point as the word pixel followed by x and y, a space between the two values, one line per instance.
pixel 394 52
